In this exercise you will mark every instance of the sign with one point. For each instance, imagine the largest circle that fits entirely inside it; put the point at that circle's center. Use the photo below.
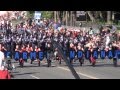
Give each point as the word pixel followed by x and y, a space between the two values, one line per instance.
pixel 37 15
pixel 81 15
pixel 33 55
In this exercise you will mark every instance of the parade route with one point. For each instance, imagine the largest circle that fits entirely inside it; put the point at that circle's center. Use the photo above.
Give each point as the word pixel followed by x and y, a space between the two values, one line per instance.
pixel 103 70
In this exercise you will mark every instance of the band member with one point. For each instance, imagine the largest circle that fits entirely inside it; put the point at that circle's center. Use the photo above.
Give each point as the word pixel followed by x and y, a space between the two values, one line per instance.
pixel 49 50
pixel 21 61
pixel 107 40
pixel 8 43
pixel 81 60
pixel 75 48
pixel 4 50
pixel 17 49
pixel 23 48
pixel 30 49
pixel 92 59
pixel 71 49
pixel 56 54
pixel 37 49
pixel 114 48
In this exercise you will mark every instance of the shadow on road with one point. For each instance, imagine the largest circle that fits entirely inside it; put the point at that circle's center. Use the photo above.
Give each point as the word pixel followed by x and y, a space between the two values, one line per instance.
pixel 34 65
pixel 25 73
pixel 106 65
pixel 97 65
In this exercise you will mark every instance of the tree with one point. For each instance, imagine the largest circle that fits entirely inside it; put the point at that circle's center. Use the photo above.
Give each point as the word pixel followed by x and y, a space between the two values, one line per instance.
pixel 108 17
pixel 30 14
pixel 55 18
pixel 71 18
pixel 47 14
pixel 91 16
pixel 66 17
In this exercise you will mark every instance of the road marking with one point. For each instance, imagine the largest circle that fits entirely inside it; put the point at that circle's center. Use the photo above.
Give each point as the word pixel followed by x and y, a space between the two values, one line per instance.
pixel 34 77
pixel 80 73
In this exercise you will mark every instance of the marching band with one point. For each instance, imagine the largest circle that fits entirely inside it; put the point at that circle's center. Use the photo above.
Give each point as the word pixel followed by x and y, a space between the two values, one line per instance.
pixel 38 37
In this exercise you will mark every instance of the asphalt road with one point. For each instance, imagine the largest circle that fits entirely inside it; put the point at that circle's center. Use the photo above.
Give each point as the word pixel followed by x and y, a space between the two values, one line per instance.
pixel 102 70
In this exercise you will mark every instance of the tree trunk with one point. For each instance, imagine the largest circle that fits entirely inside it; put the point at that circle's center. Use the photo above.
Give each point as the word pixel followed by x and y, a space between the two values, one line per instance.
pixel 108 17
pixel 101 15
pixel 113 16
pixel 63 19
pixel 96 14
pixel 91 16
pixel 57 15
pixel 66 18
pixel 55 18
pixel 71 17
pixel 74 18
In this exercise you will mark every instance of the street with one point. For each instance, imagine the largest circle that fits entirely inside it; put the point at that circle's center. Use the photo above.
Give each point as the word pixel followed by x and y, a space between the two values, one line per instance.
pixel 60 34
pixel 103 70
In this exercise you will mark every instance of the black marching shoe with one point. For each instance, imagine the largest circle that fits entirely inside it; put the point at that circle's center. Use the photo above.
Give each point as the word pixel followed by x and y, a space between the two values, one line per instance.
pixel 93 64
pixel 39 63
pixel 59 61
pixel 31 62
pixel 115 62
pixel 49 63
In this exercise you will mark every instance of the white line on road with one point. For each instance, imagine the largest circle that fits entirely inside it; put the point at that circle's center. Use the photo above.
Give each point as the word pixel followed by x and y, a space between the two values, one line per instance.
pixel 34 77
pixel 80 73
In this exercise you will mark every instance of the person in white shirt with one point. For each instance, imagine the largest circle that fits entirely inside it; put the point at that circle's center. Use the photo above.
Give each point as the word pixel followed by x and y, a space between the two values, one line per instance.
pixel 1 59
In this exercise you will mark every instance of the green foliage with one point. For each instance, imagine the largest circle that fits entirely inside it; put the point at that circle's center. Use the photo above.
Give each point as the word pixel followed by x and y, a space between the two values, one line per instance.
pixel 30 14
pixel 47 14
